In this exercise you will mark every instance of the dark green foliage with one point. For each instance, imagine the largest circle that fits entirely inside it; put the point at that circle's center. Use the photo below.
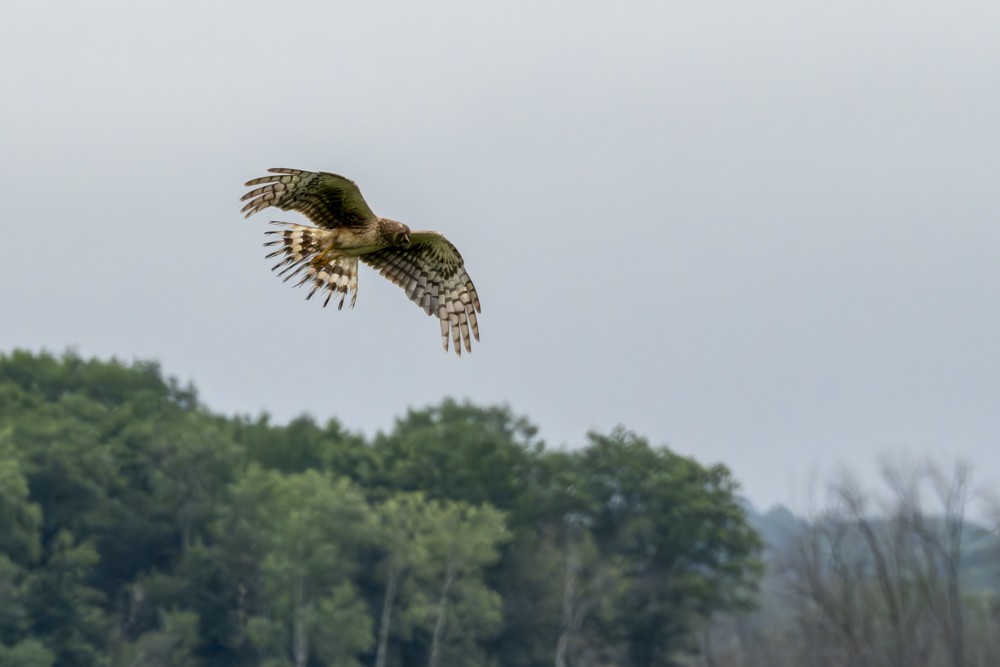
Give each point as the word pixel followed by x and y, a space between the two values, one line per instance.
pixel 679 531
pixel 137 528
pixel 459 452
pixel 28 653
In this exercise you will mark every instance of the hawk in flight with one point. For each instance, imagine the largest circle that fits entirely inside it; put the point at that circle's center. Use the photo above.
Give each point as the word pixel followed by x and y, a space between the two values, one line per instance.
pixel 425 264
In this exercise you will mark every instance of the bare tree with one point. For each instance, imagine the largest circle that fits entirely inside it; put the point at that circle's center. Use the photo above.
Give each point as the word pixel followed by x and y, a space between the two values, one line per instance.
pixel 940 539
pixel 878 582
pixel 892 576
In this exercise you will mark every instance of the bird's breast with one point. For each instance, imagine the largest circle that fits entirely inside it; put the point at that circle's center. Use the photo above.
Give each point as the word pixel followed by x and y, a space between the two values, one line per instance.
pixel 352 243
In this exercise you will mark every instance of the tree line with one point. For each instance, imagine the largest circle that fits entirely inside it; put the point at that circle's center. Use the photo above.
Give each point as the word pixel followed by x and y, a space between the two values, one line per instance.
pixel 137 527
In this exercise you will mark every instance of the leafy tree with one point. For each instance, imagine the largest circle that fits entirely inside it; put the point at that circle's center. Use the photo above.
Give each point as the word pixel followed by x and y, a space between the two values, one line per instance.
pixel 591 585
pixel 65 609
pixel 402 538
pixel 20 548
pixel 460 608
pixel 677 530
pixel 301 445
pixel 172 645
pixel 15 616
pixel 459 452
pixel 20 519
pixel 435 599
pixel 307 532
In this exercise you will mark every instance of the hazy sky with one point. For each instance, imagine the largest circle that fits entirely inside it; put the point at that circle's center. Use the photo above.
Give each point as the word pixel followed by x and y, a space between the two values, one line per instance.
pixel 762 233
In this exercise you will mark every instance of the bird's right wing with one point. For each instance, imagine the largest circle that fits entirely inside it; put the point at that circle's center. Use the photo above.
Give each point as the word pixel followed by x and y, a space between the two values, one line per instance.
pixel 328 200
pixel 432 273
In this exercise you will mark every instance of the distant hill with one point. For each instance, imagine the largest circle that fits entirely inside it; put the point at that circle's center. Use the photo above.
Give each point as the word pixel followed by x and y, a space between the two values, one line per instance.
pixel 779 527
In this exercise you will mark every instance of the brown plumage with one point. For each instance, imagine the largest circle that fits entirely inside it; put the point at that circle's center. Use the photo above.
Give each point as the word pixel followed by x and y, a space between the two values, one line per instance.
pixel 424 263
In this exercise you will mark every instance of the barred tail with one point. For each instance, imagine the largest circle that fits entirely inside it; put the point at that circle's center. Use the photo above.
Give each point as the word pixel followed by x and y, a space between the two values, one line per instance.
pixel 306 250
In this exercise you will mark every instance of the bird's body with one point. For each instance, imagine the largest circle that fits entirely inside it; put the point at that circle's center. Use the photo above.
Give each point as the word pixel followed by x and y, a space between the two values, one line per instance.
pixel 424 263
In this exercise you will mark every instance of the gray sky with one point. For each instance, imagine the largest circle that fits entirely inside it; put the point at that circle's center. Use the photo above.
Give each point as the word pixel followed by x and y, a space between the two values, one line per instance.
pixel 762 233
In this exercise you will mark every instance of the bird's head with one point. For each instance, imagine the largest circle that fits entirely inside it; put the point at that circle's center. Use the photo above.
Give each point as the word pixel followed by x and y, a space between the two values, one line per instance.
pixel 394 233
pixel 401 235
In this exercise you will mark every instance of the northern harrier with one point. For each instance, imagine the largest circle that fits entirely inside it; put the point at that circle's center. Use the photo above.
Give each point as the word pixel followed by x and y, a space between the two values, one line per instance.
pixel 424 263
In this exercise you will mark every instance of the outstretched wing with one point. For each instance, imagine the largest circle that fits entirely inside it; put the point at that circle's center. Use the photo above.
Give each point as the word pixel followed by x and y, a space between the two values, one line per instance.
pixel 432 274
pixel 328 200
pixel 301 251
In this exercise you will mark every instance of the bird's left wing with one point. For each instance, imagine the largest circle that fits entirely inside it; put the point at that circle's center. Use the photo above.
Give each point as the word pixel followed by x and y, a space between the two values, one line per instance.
pixel 432 273
pixel 329 200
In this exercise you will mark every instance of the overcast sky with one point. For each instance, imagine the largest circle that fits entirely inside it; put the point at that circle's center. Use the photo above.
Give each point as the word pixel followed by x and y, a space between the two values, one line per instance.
pixel 764 234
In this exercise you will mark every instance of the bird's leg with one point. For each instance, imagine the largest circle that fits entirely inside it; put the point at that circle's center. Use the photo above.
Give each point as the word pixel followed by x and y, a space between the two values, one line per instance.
pixel 320 259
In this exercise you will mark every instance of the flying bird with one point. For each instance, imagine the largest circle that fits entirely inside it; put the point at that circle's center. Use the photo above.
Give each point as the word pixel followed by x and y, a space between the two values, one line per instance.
pixel 424 263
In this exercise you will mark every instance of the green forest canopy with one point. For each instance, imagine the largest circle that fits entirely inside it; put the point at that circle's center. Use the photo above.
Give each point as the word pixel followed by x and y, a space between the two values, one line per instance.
pixel 139 528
